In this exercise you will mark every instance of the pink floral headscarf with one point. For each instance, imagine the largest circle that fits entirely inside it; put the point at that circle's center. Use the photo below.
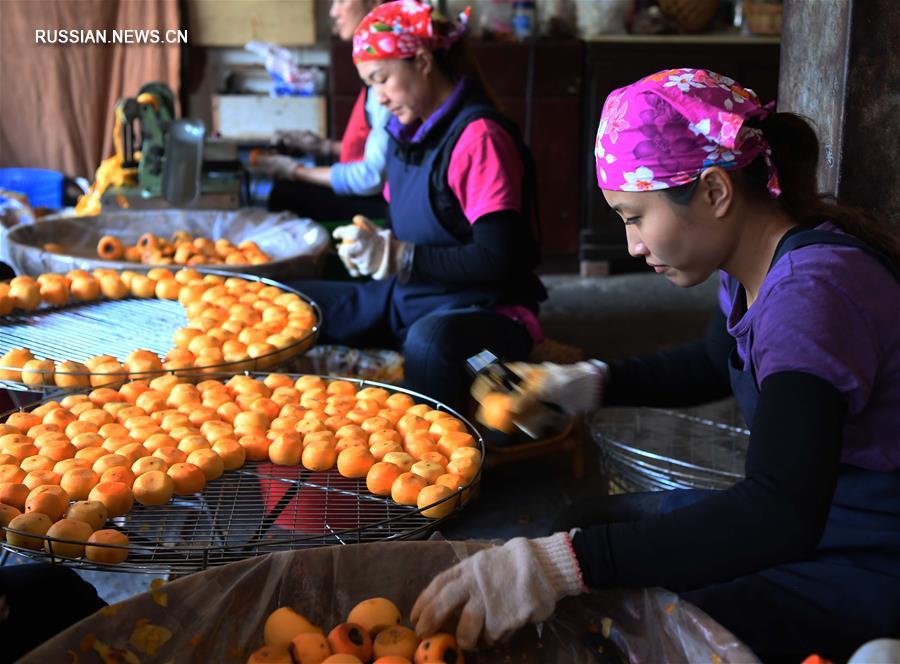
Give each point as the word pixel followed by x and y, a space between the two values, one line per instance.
pixel 664 130
pixel 399 29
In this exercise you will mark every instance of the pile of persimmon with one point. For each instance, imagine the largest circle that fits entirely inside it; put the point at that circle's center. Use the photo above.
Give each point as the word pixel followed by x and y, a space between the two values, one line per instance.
pixel 371 633
pixel 148 441
pixel 242 323
pixel 182 249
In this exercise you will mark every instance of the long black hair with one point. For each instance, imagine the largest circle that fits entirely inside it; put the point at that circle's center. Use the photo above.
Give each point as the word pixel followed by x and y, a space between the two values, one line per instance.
pixel 795 152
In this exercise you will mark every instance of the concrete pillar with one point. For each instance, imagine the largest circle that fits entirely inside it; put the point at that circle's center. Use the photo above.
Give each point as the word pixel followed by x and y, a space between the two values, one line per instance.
pixel 840 67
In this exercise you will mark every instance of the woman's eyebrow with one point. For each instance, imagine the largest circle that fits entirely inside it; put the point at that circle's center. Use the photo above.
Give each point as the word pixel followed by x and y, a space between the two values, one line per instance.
pixel 620 207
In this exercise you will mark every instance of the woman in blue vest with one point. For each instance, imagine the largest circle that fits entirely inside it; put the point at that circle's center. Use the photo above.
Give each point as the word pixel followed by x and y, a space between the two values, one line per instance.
pixel 803 554
pixel 453 271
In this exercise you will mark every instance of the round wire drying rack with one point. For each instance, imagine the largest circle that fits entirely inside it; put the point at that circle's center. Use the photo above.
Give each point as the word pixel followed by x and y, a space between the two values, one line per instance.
pixel 654 449
pixel 261 508
pixel 80 331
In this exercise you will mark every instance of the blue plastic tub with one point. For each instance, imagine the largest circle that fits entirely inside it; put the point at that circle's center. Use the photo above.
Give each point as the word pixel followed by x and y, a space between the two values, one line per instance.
pixel 44 188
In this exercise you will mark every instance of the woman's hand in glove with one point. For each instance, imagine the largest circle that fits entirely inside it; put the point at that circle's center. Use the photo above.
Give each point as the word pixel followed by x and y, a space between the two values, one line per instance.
pixel 500 589
pixel 304 141
pixel 366 250
pixel 574 388
pixel 275 165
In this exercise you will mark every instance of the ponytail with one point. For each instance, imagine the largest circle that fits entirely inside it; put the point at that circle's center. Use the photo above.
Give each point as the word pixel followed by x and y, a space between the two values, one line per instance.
pixel 795 152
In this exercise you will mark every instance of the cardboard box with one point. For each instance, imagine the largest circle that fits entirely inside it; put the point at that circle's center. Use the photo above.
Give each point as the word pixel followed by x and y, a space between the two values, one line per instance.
pixel 257 117
pixel 235 22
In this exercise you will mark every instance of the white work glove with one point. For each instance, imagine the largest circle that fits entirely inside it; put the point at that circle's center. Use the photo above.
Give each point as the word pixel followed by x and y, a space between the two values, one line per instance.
pixel 879 650
pixel 366 250
pixel 303 140
pixel 500 589
pixel 275 166
pixel 574 388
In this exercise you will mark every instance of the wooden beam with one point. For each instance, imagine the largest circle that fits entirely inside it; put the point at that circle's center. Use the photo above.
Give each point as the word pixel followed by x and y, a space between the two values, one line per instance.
pixel 840 67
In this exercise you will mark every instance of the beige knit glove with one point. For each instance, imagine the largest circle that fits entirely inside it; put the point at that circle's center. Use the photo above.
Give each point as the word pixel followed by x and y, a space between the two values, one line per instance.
pixel 500 589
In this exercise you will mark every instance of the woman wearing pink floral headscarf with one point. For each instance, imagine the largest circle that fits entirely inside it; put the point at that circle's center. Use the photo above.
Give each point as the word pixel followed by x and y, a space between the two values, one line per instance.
pixel 803 554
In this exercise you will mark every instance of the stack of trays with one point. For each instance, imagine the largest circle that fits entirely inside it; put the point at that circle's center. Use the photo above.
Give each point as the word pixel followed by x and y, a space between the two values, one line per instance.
pixel 652 449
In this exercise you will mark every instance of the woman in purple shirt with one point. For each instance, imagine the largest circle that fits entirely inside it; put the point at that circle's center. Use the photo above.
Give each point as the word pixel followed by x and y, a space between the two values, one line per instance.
pixel 803 555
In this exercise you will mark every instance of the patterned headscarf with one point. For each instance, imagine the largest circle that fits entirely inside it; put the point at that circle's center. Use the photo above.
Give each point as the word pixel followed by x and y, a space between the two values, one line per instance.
pixel 399 29
pixel 664 130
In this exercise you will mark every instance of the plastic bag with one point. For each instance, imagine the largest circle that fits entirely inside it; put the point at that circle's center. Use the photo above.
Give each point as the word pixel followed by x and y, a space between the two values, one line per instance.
pixel 218 615
pixel 296 246
pixel 495 20
pixel 557 18
pixel 289 79
pixel 385 366
pixel 600 18
pixel 14 210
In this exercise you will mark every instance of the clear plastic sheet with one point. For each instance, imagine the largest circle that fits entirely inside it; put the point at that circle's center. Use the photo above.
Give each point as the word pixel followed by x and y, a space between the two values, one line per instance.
pixel 14 210
pixel 379 364
pixel 297 246
pixel 218 615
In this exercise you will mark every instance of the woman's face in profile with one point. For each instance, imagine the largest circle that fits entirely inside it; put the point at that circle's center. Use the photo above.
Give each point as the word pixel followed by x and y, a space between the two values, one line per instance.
pixel 347 14
pixel 400 85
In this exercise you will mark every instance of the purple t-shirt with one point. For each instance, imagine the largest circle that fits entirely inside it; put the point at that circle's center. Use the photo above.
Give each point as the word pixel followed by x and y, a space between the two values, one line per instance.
pixel 834 312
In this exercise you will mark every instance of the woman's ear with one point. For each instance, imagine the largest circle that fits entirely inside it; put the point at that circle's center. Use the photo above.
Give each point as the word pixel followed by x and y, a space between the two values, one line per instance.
pixel 718 191
pixel 424 61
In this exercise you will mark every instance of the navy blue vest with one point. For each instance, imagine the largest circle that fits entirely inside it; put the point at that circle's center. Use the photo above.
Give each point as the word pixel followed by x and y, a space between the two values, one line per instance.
pixel 860 548
pixel 422 211
pixel 854 572
pixel 743 380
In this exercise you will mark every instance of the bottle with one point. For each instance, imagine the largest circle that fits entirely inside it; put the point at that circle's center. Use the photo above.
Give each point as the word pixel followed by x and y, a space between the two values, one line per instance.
pixel 523 21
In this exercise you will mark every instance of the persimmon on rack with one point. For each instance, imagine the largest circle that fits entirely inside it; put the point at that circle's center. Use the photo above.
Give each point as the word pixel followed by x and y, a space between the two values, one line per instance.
pixel 241 323
pixel 182 249
pixel 94 456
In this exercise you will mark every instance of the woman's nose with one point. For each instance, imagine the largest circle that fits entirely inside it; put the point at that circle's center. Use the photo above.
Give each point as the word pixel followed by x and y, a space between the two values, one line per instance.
pixel 636 246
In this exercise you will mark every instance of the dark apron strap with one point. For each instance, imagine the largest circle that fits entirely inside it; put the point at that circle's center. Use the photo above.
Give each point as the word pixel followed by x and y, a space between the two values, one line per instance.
pixel 743 382
pixel 794 239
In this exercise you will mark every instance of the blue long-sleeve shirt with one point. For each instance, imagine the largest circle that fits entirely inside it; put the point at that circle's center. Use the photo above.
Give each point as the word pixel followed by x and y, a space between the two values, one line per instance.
pixel 366 177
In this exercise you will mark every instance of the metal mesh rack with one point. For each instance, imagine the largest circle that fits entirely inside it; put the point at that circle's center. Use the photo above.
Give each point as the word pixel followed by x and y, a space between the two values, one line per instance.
pixel 261 508
pixel 651 449
pixel 80 331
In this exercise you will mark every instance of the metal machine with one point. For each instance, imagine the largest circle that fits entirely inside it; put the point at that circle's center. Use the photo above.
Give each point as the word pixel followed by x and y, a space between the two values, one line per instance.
pixel 169 162
pixel 154 110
